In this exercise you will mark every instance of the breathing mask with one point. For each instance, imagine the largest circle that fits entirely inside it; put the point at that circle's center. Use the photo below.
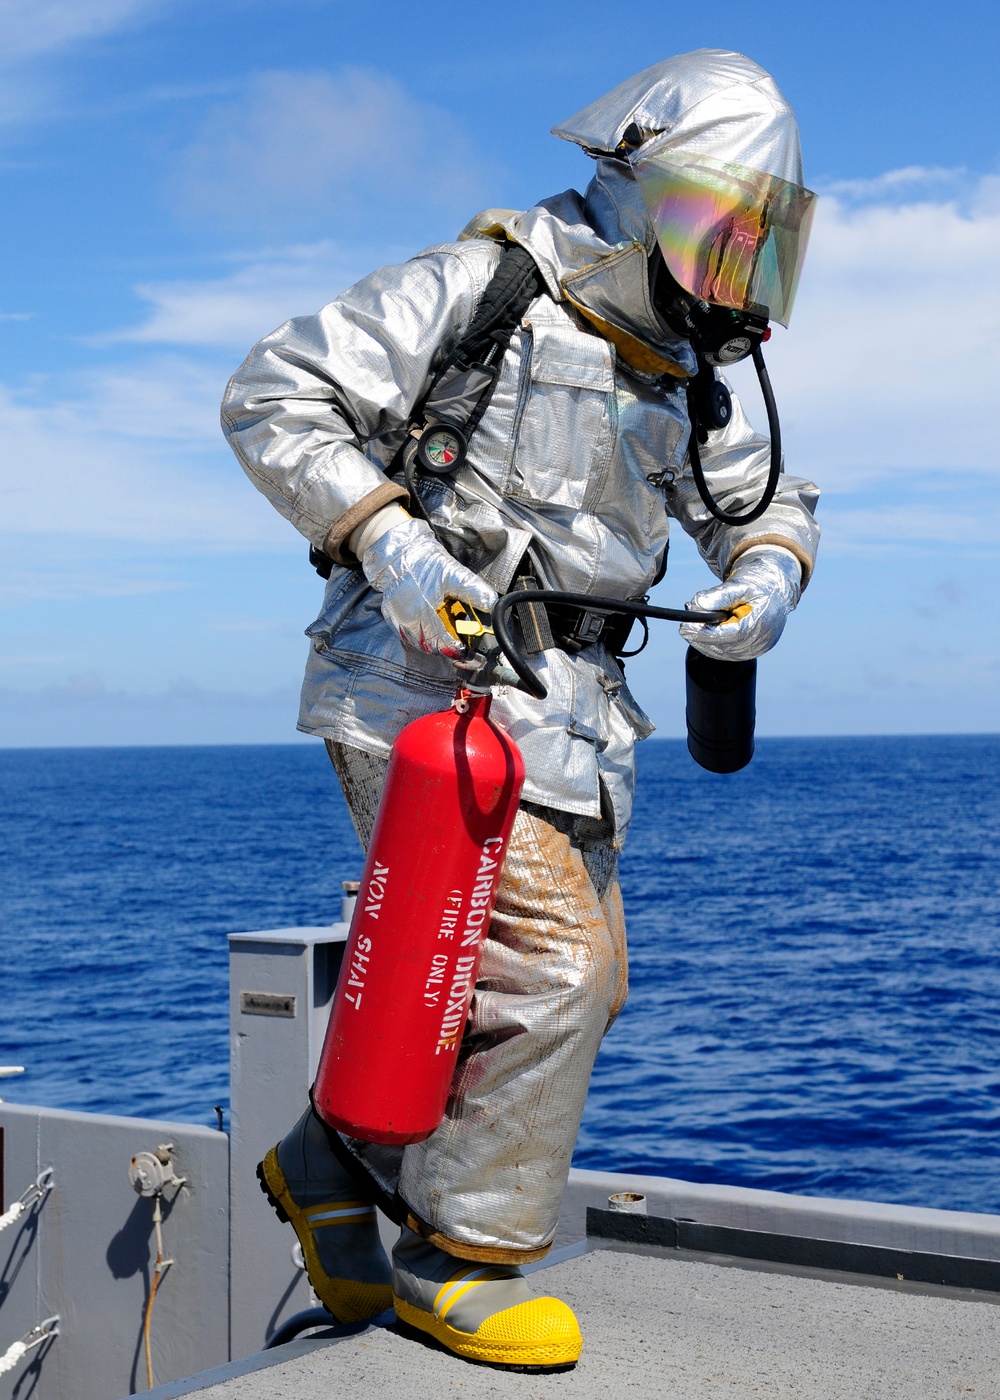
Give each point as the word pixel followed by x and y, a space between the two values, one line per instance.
pixel 718 335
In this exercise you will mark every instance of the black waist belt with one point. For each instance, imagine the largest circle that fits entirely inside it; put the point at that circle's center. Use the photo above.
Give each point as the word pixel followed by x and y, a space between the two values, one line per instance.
pixel 545 625
pixel 576 628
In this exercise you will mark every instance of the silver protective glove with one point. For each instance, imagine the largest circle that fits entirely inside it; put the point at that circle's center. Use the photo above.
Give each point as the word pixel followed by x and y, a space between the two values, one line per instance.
pixel 415 574
pixel 762 590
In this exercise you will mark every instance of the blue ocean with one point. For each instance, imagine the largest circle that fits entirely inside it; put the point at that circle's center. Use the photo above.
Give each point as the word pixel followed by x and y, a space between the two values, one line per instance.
pixel 815 979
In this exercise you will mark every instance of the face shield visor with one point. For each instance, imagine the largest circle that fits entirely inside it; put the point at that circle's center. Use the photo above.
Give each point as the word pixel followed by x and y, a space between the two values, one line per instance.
pixel 731 236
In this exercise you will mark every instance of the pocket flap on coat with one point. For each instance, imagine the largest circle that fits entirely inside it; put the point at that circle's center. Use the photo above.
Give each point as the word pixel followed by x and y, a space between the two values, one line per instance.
pixel 561 354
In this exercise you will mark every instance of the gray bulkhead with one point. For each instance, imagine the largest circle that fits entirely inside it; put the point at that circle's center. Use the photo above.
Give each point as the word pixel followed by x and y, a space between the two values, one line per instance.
pixel 86 1251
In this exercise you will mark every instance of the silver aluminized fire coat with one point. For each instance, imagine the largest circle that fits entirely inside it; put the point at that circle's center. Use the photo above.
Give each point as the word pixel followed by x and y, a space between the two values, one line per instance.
pixel 581 458
pixel 488 1183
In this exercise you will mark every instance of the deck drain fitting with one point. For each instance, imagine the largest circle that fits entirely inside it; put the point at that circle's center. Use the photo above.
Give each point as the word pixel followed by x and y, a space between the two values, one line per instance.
pixel 348 899
pixel 627 1203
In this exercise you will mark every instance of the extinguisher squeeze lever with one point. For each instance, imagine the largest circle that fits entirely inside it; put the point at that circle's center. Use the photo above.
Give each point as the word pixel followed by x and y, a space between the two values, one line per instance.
pixel 603 606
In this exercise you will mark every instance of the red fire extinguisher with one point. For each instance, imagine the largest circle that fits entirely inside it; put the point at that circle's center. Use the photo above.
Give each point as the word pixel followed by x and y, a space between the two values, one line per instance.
pixel 423 911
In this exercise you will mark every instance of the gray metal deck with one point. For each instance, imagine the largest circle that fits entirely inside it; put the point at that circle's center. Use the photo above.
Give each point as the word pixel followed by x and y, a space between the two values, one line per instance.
pixel 662 1324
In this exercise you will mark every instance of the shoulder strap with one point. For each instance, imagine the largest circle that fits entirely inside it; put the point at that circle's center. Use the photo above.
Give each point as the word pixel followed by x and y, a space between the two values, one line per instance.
pixel 463 385
pixel 509 292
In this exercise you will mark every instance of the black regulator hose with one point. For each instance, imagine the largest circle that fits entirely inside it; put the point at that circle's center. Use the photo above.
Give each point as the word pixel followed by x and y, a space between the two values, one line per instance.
pixel 606 606
pixel 774 429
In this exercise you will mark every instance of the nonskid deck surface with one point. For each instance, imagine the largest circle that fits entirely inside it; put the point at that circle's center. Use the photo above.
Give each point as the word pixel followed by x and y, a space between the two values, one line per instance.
pixel 676 1329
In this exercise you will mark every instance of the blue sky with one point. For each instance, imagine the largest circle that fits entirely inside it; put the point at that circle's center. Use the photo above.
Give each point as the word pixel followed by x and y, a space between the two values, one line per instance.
pixel 181 178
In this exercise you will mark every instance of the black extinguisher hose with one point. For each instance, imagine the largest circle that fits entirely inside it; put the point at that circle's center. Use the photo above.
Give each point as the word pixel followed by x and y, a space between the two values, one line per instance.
pixel 606 606
pixel 720 694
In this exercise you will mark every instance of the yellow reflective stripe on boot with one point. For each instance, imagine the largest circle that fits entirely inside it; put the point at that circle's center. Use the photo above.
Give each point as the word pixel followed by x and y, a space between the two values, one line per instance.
pixel 461 1284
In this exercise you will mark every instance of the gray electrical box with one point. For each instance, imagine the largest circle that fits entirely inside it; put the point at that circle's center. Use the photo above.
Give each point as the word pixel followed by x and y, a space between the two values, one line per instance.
pixel 86 1250
pixel 281 985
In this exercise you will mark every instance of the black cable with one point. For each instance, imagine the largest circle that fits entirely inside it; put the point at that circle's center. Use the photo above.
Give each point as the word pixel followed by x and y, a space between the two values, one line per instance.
pixel 313 1318
pixel 415 503
pixel 608 606
pixel 299 1323
pixel 624 655
pixel 773 427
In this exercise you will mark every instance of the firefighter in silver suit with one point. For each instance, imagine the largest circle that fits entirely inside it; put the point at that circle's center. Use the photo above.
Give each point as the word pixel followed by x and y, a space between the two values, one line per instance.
pixel 575 470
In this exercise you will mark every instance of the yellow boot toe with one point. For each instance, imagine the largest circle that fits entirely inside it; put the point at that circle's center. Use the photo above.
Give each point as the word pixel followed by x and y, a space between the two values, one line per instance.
pixel 541 1334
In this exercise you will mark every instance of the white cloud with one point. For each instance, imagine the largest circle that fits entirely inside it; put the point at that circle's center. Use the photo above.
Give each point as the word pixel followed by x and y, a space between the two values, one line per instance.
pixel 297 150
pixel 32 27
pixel 167 400
pixel 54 578
pixel 967 516
pixel 238 310
pixel 33 30
pixel 892 362
pixel 893 183
pixel 135 451
pixel 131 454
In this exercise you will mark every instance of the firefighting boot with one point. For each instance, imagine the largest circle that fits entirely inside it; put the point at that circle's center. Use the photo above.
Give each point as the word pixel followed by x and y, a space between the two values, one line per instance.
pixel 482 1312
pixel 304 1181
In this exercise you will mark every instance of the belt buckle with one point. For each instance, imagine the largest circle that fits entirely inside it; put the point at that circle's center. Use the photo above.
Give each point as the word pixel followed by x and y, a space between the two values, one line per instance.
pixel 589 628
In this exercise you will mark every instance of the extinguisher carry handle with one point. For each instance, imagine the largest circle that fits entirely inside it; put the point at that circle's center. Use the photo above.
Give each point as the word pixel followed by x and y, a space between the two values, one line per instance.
pixel 607 607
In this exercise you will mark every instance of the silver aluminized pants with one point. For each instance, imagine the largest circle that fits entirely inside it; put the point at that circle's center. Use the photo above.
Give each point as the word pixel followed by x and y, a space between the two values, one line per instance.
pixel 487 1185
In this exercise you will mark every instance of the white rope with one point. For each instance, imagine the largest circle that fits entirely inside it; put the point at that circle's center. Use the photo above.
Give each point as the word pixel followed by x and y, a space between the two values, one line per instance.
pixel 41 1185
pixel 9 1216
pixel 12 1356
pixel 160 1268
pixel 34 1338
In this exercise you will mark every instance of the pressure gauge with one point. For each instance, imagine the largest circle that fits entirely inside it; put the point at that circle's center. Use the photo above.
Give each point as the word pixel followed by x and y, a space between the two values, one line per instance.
pixel 441 449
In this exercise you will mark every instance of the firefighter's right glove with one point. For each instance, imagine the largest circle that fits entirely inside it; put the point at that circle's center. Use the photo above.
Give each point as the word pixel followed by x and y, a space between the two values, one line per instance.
pixel 414 575
pixel 763 588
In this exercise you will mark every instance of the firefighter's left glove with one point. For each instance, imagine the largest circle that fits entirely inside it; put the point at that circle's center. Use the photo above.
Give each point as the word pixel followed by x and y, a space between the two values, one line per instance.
pixel 415 575
pixel 759 594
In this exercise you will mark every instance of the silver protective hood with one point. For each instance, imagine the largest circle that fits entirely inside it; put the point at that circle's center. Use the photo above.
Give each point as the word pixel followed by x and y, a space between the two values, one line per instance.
pixel 594 251
pixel 711 102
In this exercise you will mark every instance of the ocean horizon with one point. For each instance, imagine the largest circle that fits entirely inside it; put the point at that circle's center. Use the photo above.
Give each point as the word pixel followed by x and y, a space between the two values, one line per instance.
pixel 812 949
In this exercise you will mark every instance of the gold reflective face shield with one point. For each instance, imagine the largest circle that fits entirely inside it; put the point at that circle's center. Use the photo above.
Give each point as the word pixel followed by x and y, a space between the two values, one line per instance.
pixel 730 235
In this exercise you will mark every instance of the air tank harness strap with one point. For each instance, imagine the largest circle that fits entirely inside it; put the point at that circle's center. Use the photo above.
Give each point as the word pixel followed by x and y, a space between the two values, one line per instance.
pixel 443 422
